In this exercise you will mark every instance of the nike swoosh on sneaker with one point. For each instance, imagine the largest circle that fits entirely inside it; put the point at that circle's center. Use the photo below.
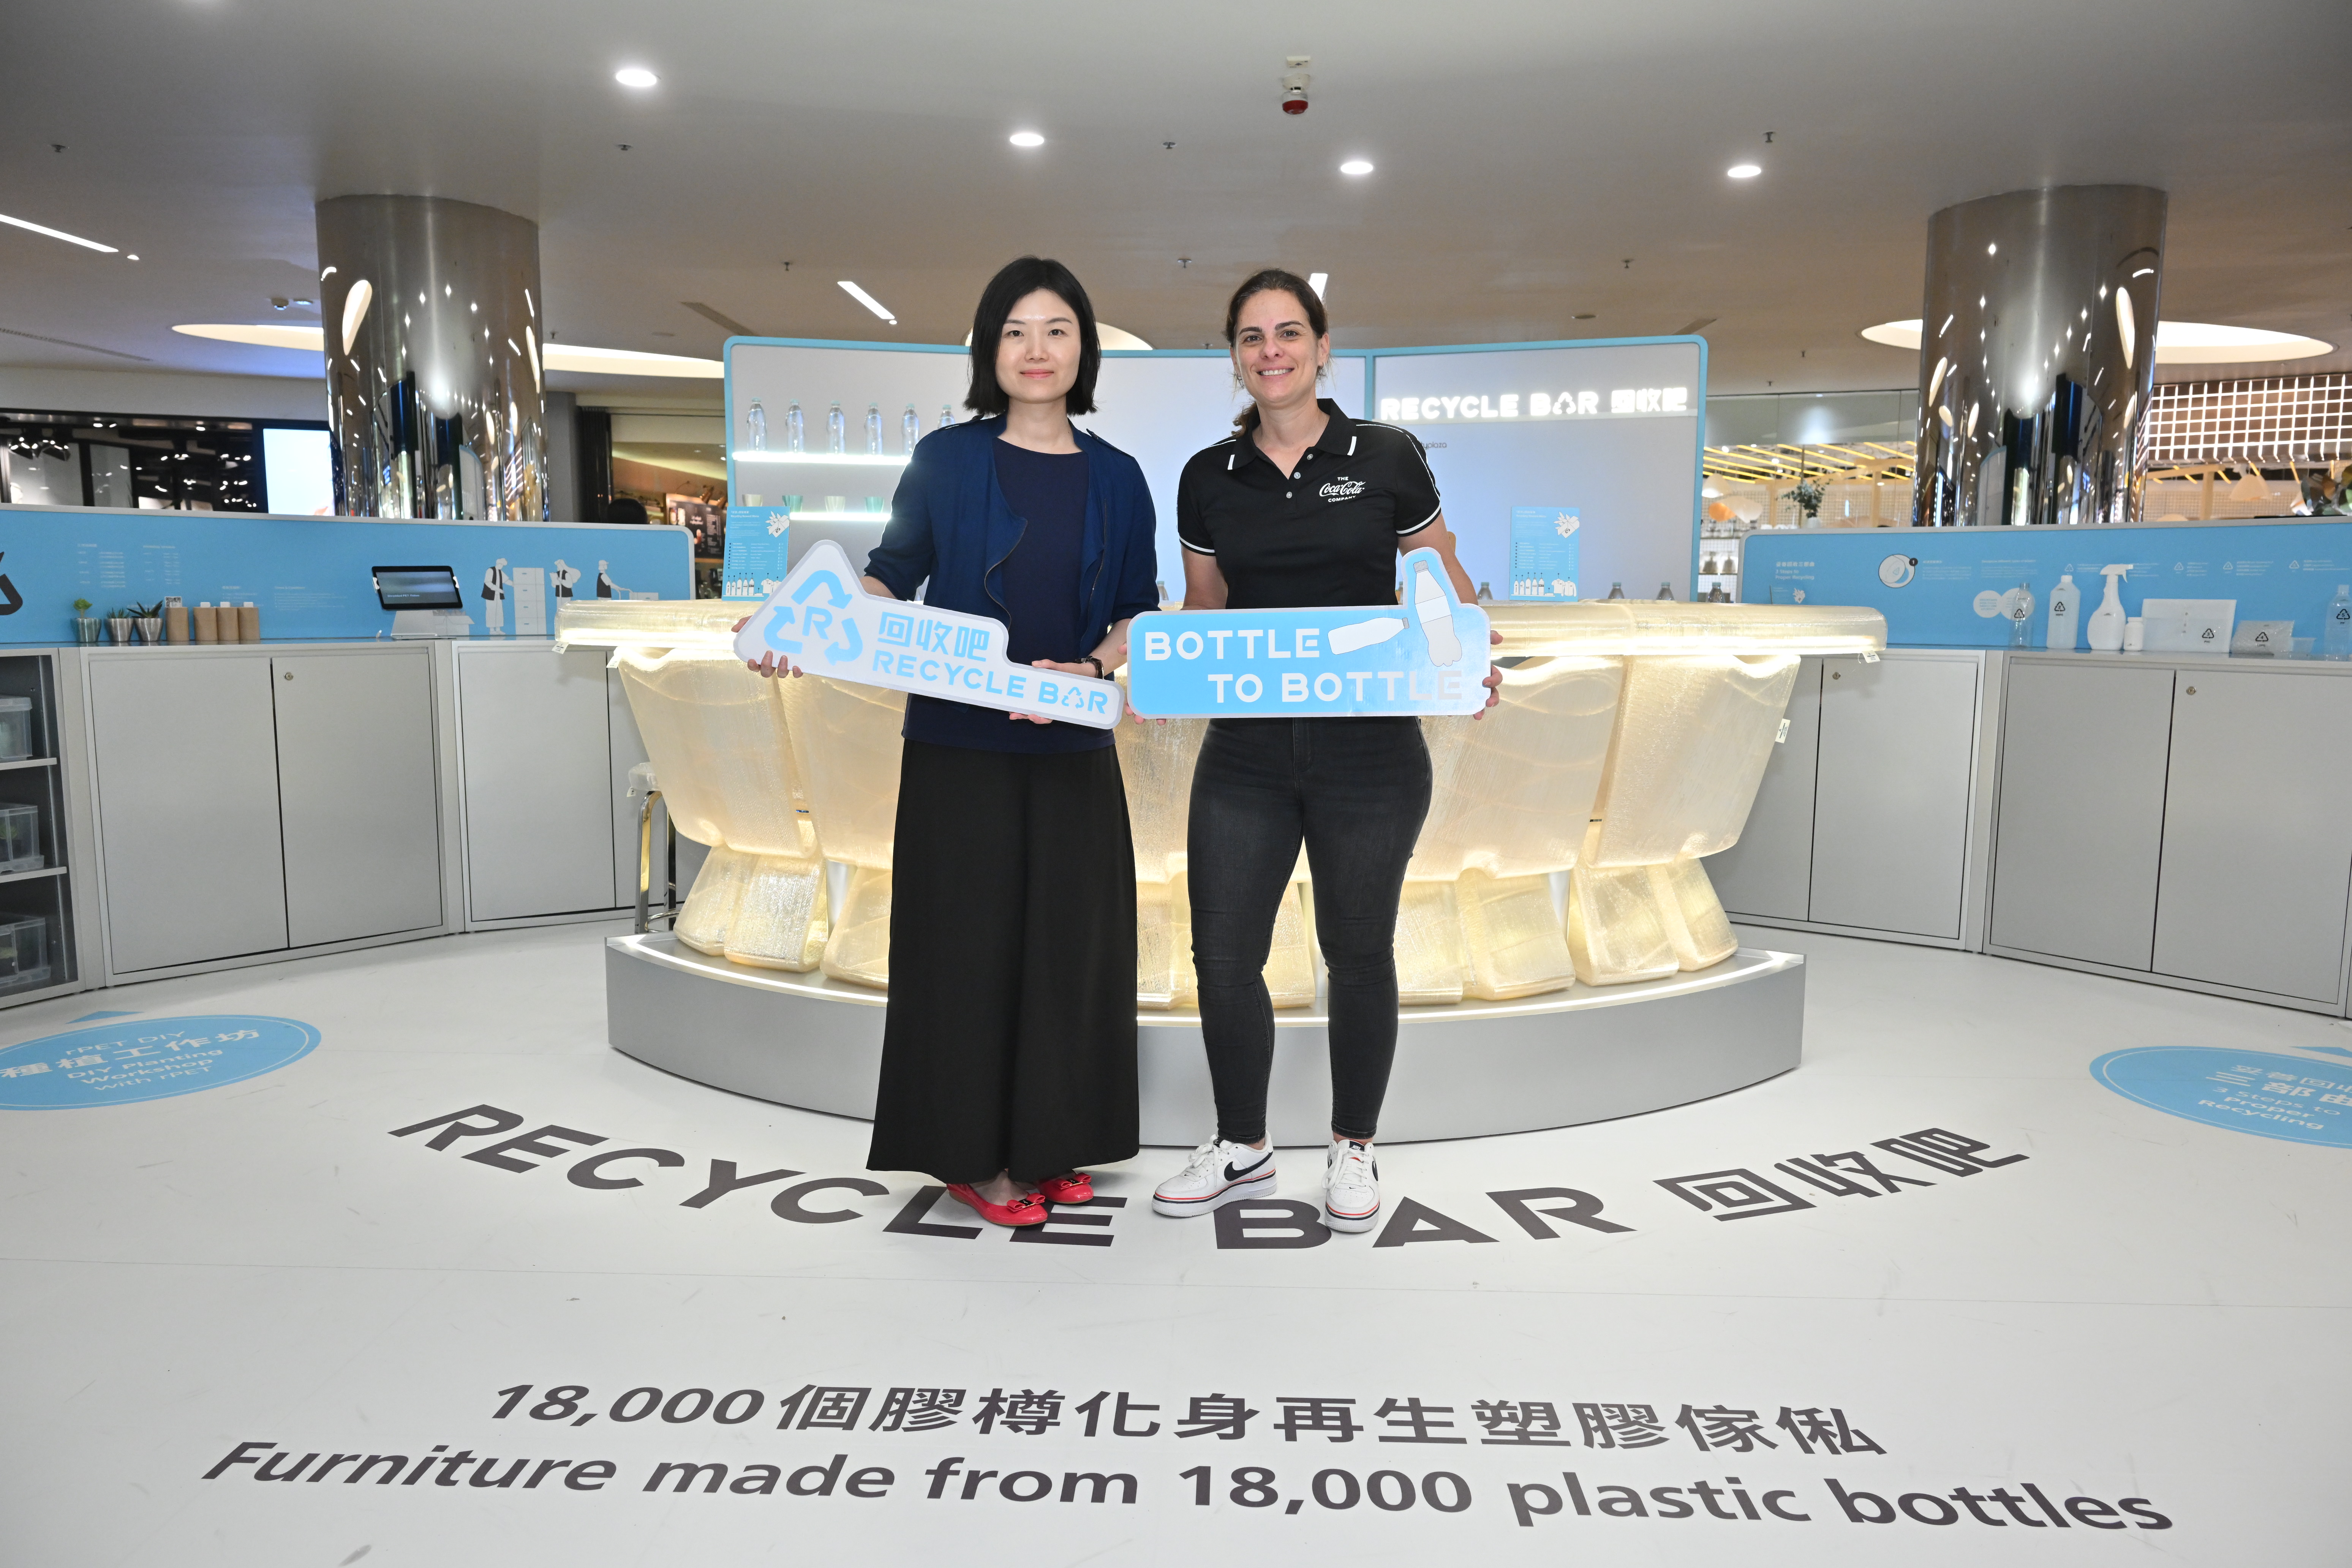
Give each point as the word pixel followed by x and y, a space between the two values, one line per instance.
pixel 1233 1176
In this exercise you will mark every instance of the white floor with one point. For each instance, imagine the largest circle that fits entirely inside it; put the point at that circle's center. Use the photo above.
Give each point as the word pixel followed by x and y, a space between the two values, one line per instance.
pixel 2144 1307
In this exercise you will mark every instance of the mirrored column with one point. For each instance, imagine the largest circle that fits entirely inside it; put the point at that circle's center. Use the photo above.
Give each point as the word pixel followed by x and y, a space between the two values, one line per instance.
pixel 435 382
pixel 2037 356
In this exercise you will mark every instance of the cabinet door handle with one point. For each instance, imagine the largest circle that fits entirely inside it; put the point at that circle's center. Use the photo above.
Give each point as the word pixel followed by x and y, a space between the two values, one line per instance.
pixel 2192 691
pixel 290 675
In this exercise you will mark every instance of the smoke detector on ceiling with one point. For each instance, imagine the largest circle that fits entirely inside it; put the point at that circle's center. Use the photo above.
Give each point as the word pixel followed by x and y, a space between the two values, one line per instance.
pixel 1295 83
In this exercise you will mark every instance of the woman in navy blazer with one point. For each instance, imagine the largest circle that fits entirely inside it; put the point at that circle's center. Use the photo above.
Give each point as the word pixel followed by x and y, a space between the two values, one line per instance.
pixel 1008 1057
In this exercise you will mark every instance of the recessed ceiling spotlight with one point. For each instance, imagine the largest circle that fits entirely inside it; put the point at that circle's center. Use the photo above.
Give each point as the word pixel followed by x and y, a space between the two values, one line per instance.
pixel 635 76
pixel 1992 251
pixel 1356 166
pixel 1744 171
pixel 1026 138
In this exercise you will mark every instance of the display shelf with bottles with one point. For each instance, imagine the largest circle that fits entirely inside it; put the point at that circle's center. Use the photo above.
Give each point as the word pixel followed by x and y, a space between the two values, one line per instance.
pixel 37 950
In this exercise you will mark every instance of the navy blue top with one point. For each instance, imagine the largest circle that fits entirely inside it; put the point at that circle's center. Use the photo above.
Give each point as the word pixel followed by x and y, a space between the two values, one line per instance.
pixel 955 524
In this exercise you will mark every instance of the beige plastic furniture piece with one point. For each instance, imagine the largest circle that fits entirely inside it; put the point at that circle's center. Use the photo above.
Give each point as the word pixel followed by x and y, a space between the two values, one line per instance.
pixel 1562 845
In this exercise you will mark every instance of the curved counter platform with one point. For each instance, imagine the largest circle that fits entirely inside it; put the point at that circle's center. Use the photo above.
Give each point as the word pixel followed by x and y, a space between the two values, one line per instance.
pixel 1463 1070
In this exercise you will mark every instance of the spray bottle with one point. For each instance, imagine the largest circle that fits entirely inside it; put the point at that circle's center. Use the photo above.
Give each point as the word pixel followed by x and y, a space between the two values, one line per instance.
pixel 2065 615
pixel 2108 620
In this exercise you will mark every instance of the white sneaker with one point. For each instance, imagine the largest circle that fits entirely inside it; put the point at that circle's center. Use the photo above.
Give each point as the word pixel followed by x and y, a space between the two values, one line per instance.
pixel 1351 1186
pixel 1218 1173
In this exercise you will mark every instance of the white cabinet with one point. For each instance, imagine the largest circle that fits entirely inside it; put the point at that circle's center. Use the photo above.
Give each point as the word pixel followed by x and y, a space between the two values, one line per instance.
pixel 1891 809
pixel 357 795
pixel 185 754
pixel 2257 832
pixel 2082 809
pixel 539 781
pixel 250 803
pixel 1862 822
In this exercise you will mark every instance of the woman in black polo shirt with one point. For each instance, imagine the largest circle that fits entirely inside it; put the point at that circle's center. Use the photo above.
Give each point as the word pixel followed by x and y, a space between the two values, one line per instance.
pixel 1301 506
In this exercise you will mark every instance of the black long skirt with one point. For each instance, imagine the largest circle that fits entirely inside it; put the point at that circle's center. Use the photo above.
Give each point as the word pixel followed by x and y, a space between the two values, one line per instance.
pixel 1010 1044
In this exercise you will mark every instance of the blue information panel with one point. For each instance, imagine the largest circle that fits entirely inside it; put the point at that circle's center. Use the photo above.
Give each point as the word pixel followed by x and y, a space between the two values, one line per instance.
pixel 1946 587
pixel 310 576
pixel 1428 655
pixel 1543 553
pixel 758 540
pixel 134 1058
pixel 822 619
pixel 2273 1096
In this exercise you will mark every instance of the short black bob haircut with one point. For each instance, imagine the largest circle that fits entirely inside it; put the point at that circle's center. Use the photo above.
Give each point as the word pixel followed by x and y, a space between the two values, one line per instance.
pixel 1016 281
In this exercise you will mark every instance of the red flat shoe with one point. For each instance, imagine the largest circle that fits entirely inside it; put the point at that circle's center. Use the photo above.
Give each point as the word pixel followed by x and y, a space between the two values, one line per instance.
pixel 1077 1187
pixel 1026 1209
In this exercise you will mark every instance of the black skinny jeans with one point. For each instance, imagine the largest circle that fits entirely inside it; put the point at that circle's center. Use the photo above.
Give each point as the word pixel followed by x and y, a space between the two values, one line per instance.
pixel 1356 790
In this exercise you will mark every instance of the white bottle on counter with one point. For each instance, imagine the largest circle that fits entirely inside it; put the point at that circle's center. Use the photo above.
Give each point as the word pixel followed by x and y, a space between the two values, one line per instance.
pixel 2065 615
pixel 2106 624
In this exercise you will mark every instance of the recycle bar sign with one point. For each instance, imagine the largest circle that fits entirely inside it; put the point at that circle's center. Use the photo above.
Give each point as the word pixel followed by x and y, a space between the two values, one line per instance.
pixel 822 619
pixel 1427 655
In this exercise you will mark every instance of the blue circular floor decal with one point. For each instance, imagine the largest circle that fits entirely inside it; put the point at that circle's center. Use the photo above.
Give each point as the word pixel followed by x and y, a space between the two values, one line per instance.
pixel 2249 1091
pixel 125 1059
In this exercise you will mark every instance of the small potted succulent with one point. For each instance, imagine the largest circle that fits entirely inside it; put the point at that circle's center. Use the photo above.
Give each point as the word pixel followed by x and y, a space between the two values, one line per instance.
pixel 88 630
pixel 151 622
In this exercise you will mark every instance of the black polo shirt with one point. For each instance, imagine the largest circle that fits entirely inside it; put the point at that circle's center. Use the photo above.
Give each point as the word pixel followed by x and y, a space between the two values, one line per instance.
pixel 1328 533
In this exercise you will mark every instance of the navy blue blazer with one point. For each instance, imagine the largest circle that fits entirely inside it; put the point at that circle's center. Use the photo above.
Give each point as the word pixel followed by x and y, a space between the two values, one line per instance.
pixel 950 522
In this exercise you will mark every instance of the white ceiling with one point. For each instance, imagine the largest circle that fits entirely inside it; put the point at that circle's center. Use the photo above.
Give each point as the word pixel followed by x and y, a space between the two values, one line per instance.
pixel 1526 149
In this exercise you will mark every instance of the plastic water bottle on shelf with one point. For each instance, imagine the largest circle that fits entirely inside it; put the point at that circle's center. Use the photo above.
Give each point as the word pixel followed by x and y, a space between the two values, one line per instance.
pixel 910 428
pixel 2021 611
pixel 795 428
pixel 874 429
pixel 947 415
pixel 2335 624
pixel 1666 593
pixel 756 424
pixel 836 430
pixel 1616 590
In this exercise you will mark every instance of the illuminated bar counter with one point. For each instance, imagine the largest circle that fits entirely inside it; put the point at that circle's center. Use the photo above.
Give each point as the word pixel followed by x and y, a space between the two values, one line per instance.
pixel 1562 957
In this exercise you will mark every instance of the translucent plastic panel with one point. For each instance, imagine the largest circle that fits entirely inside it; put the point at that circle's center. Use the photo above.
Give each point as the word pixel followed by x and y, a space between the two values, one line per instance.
pixel 1511 943
pixel 845 743
pixel 1428 946
pixel 1694 918
pixel 716 737
pixel 1513 791
pixel 710 907
pixel 648 623
pixel 1157 946
pixel 1694 734
pixel 858 948
pixel 1645 627
pixel 780 922
pixel 1156 761
pixel 1615 934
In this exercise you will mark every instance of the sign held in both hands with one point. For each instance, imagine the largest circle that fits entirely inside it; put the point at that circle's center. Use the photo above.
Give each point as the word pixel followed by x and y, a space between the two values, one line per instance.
pixel 821 618
pixel 1426 656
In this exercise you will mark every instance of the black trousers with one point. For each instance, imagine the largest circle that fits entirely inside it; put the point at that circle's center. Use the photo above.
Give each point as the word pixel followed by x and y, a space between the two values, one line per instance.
pixel 1355 790
pixel 1010 1044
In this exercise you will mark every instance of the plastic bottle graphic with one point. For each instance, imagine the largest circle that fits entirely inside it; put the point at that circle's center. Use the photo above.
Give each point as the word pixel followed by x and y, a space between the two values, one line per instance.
pixel 1616 590
pixel 874 429
pixel 1436 613
pixel 2336 624
pixel 2065 615
pixel 756 423
pixel 795 428
pixel 910 428
pixel 2106 626
pixel 836 430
